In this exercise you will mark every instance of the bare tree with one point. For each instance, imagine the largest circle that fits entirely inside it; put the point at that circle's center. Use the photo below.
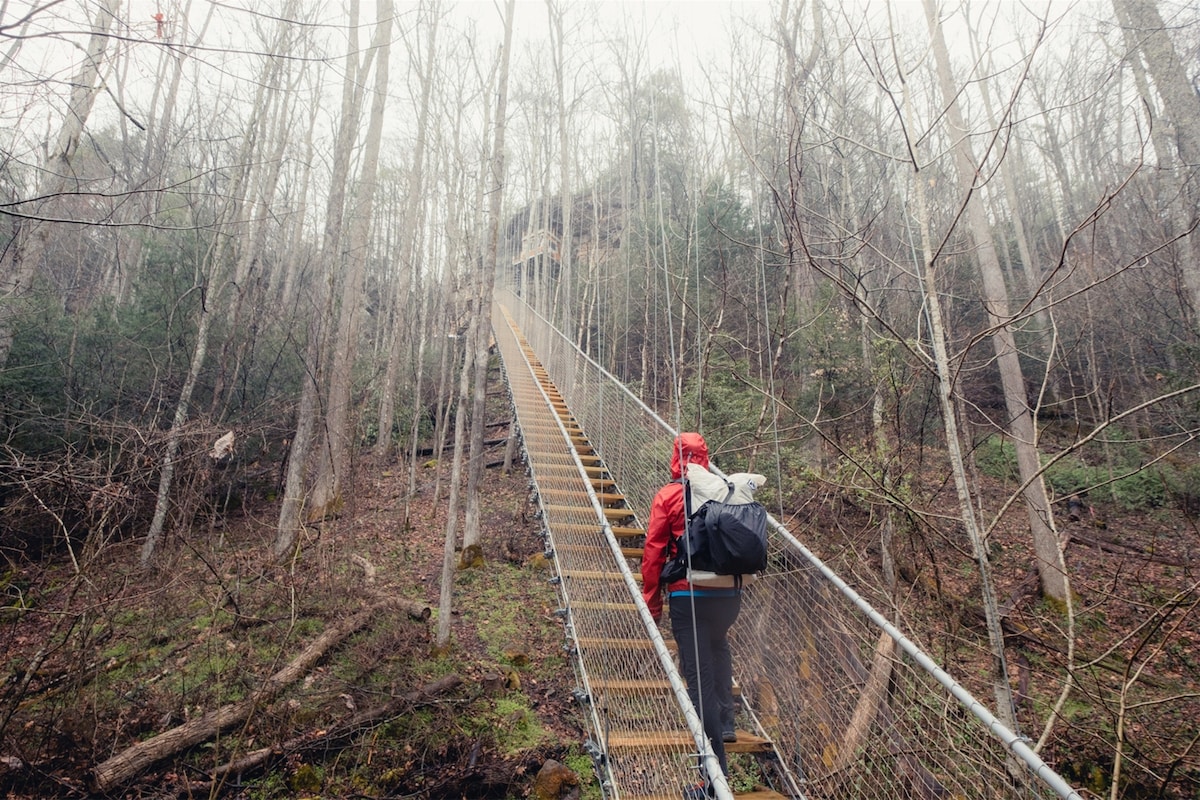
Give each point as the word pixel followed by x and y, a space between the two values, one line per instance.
pixel 566 203
pixel 472 531
pixel 477 354
pixel 22 256
pixel 1181 106
pixel 413 249
pixel 335 455
pixel 1048 553
pixel 958 461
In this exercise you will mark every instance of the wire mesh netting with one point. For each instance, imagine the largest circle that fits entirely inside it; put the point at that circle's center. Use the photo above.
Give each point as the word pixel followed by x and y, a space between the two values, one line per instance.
pixel 834 702
pixel 641 738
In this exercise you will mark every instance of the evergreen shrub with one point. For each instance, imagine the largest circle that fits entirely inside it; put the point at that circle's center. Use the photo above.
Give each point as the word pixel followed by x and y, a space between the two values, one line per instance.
pixel 1127 483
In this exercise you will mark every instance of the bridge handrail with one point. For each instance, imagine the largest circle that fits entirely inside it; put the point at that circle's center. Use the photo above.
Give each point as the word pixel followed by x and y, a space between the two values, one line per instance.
pixel 678 687
pixel 1015 744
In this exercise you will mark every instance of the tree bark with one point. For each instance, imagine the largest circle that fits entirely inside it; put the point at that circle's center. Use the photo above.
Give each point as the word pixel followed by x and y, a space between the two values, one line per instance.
pixel 328 738
pixel 346 274
pixel 23 257
pixel 472 532
pixel 1181 105
pixel 1048 554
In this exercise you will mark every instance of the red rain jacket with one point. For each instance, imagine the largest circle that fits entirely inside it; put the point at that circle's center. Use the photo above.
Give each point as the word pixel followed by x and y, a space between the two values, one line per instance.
pixel 666 521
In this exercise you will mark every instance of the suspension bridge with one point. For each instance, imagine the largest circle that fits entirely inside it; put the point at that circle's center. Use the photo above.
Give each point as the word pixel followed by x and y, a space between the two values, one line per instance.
pixel 833 700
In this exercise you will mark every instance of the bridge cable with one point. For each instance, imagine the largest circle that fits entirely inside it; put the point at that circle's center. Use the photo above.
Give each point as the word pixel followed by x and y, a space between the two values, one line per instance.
pixel 676 401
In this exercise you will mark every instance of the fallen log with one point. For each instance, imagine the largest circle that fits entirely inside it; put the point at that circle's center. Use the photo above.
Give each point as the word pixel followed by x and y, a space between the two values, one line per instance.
pixel 137 757
pixel 416 611
pixel 870 699
pixel 328 739
pixel 429 451
pixel 1108 545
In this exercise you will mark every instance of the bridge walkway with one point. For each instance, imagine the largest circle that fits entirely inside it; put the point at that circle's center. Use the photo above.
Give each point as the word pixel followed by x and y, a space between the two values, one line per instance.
pixel 834 700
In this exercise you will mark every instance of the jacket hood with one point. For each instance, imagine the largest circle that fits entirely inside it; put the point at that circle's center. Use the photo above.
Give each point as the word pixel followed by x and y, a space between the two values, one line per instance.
pixel 689 448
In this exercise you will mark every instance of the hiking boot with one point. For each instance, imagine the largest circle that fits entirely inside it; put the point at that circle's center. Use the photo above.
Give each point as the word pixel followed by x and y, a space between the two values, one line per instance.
pixel 701 791
pixel 728 725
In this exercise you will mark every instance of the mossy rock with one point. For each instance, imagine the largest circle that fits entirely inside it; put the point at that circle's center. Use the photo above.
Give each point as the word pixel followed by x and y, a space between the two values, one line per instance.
pixel 471 557
pixel 552 779
pixel 306 778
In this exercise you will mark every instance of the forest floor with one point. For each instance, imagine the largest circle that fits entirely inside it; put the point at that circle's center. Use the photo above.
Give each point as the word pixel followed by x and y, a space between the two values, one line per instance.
pixel 109 657
pixel 99 660
pixel 1135 660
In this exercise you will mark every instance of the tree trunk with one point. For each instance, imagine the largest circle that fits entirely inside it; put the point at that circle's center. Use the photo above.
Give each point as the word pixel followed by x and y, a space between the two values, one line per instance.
pixel 945 385
pixel 1042 328
pixel 446 594
pixel 1049 560
pixel 333 450
pixel 471 530
pixel 125 765
pixel 23 257
pixel 166 475
pixel 285 286
pixel 414 208
pixel 565 201
pixel 1181 105
pixel 213 285
pixel 339 435
pixel 271 130
pixel 465 245
pixel 449 355
pixel 291 508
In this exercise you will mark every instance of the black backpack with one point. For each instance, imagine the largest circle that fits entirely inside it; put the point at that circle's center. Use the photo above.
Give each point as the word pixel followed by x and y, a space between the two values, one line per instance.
pixel 720 537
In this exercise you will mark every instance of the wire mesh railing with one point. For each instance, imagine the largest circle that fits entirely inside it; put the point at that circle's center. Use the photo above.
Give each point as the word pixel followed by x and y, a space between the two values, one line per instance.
pixel 850 706
pixel 646 739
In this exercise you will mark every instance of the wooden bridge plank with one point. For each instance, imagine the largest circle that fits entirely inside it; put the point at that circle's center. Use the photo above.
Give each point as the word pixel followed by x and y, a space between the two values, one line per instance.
pixel 565 465
pixel 597 575
pixel 609 513
pixel 566 481
pixel 599 549
pixel 600 605
pixel 621 532
pixel 581 495
pixel 682 742
pixel 628 552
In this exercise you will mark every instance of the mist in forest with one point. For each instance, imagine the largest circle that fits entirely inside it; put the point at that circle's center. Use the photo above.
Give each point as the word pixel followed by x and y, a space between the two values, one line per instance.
pixel 903 251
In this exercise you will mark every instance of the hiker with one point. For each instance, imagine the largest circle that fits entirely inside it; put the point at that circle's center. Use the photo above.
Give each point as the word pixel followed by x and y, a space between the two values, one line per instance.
pixel 700 616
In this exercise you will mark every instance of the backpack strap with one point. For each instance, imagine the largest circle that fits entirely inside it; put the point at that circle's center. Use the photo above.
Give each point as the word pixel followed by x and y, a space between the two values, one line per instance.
pixel 673 550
